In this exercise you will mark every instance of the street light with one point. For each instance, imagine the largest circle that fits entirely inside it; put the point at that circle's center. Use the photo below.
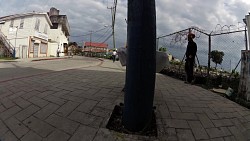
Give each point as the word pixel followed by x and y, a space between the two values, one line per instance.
pixel 14 52
pixel 244 20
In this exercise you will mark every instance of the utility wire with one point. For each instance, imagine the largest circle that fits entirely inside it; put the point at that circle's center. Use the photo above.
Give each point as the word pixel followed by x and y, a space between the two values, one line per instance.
pixel 89 33
pixel 97 40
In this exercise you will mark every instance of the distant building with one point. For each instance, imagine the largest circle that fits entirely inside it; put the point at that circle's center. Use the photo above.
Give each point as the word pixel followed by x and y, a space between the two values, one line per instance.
pixel 34 34
pixel 59 32
pixel 95 49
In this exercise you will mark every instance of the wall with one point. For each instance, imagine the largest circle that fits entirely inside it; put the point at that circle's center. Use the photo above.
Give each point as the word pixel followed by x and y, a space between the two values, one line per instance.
pixel 52 49
pixel 57 36
pixel 20 37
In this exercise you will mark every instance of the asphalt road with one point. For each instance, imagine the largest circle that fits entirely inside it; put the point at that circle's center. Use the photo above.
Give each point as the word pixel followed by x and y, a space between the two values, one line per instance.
pixel 27 68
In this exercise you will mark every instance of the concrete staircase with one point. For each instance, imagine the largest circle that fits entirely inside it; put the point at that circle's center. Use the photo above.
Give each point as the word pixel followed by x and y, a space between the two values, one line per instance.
pixel 6 48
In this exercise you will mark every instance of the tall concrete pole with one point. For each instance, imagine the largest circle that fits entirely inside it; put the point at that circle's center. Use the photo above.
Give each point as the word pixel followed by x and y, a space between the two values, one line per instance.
pixel 141 64
pixel 113 13
pixel 248 28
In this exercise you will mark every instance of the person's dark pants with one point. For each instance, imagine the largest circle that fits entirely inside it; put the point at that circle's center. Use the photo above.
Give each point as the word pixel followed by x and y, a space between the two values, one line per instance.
pixel 189 68
pixel 113 57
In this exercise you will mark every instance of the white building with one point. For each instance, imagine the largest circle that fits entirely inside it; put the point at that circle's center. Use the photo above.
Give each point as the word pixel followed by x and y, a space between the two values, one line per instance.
pixel 35 34
pixel 59 33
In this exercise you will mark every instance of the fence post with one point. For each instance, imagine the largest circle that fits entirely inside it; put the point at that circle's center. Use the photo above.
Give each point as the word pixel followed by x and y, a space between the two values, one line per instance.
pixel 246 37
pixel 157 43
pixel 209 53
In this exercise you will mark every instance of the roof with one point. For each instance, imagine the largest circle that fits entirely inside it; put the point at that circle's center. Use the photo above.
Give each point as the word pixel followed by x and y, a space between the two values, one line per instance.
pixel 94 50
pixel 93 44
pixel 9 17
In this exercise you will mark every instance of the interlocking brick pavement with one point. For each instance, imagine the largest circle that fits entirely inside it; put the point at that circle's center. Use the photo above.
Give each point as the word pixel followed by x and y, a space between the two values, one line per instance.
pixel 75 104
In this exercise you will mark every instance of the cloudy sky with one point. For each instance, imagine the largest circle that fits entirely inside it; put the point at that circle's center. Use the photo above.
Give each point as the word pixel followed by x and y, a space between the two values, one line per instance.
pixel 172 15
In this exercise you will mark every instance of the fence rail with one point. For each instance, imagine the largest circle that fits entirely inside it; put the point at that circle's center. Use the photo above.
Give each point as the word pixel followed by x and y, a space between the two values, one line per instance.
pixel 230 42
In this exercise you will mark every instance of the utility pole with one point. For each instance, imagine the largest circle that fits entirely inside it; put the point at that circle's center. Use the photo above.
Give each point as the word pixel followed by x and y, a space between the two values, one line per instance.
pixel 90 40
pixel 141 65
pixel 90 37
pixel 113 13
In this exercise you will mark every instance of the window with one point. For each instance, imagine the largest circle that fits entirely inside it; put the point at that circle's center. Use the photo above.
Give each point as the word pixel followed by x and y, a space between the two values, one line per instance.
pixel 37 24
pixel 11 23
pixel 21 23
pixel 46 29
pixel 32 46
pixel 43 48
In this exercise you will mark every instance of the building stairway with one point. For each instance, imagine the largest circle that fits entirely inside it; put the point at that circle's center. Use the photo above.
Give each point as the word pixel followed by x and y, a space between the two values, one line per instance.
pixel 6 48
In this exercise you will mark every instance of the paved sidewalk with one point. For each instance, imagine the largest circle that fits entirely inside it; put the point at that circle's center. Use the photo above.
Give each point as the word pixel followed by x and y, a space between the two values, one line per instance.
pixel 75 105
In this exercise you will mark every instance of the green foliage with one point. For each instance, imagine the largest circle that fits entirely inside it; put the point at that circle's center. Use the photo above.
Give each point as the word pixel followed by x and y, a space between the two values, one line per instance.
pixel 235 73
pixel 77 51
pixel 163 49
pixel 217 57
pixel 73 43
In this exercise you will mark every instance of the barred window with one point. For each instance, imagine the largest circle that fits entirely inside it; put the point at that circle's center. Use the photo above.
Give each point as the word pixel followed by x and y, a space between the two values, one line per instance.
pixel 32 46
pixel 11 23
pixel 43 48
pixel 21 23
pixel 37 24
pixel 46 29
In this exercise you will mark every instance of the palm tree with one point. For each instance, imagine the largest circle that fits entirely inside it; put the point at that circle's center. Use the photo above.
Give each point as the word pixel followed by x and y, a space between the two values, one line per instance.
pixel 217 57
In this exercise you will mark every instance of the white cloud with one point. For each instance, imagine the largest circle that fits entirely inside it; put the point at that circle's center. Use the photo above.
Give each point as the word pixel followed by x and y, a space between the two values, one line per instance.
pixel 86 15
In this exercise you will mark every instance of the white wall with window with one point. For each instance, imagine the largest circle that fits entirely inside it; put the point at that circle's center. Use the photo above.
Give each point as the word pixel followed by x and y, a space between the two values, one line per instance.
pixel 28 33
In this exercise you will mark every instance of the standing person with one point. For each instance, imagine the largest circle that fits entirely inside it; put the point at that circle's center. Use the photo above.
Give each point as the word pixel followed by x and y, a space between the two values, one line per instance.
pixel 190 58
pixel 114 55
pixel 58 51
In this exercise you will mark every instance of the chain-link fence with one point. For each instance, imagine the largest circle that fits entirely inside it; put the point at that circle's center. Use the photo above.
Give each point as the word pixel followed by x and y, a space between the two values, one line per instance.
pixel 230 43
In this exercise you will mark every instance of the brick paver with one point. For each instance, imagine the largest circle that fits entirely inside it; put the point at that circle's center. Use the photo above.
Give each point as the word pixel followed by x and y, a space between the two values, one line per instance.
pixel 67 108
pixel 61 123
pixel 76 104
pixel 31 136
pixel 57 135
pixel 84 133
pixel 16 127
pixel 22 115
pixel 21 102
pixel 87 106
pixel 46 111
pixel 198 131
pixel 9 112
pixel 40 127
pixel 3 128
pixel 9 136
pixel 38 101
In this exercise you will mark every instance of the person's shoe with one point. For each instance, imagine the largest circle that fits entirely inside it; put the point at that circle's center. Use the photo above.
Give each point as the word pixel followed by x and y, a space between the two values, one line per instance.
pixel 192 82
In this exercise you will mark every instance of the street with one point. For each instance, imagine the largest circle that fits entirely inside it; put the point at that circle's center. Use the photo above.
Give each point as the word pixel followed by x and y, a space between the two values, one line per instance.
pixel 72 100
pixel 25 68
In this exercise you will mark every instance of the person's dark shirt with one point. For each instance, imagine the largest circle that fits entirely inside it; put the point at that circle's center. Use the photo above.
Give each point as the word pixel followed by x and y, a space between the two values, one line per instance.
pixel 191 49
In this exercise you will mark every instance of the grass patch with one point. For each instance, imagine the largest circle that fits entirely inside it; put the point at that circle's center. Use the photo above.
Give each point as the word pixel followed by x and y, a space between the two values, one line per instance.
pixel 7 58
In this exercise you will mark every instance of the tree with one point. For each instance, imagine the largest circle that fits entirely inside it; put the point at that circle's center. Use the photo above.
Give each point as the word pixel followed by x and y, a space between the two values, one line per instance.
pixel 217 57
pixel 162 49
pixel 72 43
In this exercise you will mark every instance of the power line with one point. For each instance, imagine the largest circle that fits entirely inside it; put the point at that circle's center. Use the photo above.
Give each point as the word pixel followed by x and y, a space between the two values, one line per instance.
pixel 103 34
pixel 89 33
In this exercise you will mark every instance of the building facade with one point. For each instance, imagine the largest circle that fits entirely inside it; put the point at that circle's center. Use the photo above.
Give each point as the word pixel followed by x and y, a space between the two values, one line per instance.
pixel 27 33
pixel 33 35
pixel 95 49
pixel 59 32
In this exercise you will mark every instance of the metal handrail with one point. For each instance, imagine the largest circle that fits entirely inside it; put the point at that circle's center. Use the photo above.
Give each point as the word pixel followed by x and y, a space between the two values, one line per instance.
pixel 8 46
